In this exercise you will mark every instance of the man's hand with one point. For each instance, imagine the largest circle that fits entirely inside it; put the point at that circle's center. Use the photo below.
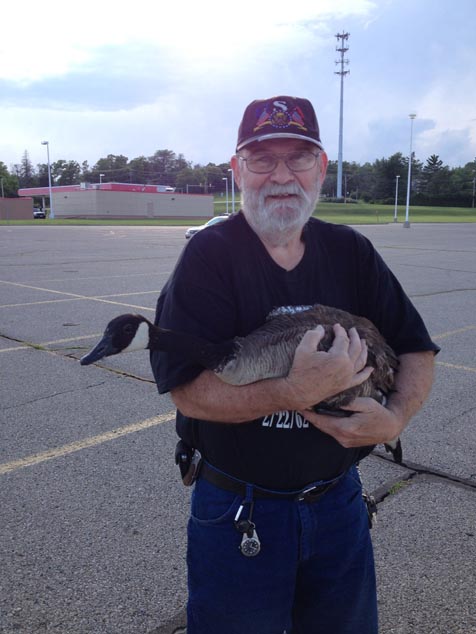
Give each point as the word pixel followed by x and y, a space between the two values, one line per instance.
pixel 316 375
pixel 370 424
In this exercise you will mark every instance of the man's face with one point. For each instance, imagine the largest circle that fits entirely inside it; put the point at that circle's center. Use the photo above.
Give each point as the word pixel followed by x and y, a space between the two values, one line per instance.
pixel 278 204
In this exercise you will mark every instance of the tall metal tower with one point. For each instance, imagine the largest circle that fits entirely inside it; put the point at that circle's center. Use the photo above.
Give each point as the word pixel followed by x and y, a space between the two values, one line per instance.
pixel 342 49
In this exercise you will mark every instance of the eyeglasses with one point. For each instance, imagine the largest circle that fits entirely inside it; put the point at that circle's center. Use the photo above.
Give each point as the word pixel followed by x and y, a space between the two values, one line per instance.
pixel 266 162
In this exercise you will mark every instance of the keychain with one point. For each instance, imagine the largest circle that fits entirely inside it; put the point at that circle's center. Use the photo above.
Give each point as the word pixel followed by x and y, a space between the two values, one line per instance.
pixel 372 509
pixel 250 543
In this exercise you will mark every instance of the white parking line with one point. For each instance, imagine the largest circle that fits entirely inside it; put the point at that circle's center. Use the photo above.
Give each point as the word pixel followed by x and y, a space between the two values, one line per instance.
pixel 52 343
pixel 77 299
pixel 456 367
pixel 92 441
pixel 76 296
pixel 443 335
pixel 40 288
pixel 44 301
pixel 15 349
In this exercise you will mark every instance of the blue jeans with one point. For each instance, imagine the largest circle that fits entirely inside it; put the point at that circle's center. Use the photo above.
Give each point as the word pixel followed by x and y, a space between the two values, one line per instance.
pixel 314 574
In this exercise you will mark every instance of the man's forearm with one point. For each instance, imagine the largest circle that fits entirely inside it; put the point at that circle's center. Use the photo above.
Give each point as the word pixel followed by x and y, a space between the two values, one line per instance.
pixel 207 397
pixel 413 383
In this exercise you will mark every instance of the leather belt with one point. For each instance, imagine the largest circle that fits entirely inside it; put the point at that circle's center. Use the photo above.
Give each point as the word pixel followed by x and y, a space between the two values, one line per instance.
pixel 228 483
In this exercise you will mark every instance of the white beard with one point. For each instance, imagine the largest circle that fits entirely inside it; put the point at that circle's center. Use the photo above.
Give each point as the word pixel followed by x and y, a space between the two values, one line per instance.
pixel 276 221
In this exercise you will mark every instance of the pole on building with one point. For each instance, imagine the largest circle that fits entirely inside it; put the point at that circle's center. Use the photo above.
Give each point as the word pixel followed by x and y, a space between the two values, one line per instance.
pixel 52 213
pixel 342 49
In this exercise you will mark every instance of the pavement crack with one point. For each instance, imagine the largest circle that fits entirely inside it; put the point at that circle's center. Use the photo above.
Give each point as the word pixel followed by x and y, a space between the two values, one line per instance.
pixel 9 338
pixel 49 396
pixel 415 470
pixel 71 356
pixel 445 292
pixel 128 375
pixel 463 413
pixel 420 248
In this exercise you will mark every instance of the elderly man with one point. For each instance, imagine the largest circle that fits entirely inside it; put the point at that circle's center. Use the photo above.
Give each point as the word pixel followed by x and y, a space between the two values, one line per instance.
pixel 278 538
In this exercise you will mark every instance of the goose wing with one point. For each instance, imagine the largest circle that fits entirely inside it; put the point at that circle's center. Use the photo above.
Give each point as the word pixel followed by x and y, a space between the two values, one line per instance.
pixel 268 351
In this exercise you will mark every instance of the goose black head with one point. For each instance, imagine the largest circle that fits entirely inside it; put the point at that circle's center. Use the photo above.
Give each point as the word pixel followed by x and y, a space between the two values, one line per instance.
pixel 123 334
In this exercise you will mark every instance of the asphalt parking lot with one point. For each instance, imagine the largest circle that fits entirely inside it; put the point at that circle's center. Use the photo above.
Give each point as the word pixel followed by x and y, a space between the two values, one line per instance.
pixel 92 512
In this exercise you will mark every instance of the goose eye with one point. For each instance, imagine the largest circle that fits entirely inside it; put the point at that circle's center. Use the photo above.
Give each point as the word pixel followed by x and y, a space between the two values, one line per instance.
pixel 128 329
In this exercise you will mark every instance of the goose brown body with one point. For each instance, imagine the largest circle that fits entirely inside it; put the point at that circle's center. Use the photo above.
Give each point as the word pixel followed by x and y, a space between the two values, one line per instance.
pixel 269 351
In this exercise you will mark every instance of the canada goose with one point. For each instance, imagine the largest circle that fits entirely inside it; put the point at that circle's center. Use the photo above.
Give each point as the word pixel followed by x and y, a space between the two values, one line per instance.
pixel 266 352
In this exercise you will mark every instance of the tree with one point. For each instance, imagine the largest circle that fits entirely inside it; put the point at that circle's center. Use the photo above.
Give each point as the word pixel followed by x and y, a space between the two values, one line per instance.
pixel 433 164
pixel 66 172
pixel 436 178
pixel 366 179
pixel 27 176
pixel 213 178
pixel 432 183
pixel 9 182
pixel 163 164
pixel 115 169
pixel 42 174
pixel 351 180
pixel 140 170
pixel 85 172
pixel 181 163
pixel 385 172
pixel 191 179
pixel 329 187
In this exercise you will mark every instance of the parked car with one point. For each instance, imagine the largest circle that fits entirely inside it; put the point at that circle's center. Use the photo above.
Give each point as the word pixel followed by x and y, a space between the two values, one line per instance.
pixel 38 212
pixel 191 231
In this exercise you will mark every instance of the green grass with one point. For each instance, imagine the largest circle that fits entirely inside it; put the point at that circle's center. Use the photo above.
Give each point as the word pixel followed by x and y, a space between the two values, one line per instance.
pixel 365 213
pixel 145 222
pixel 352 214
pixel 398 486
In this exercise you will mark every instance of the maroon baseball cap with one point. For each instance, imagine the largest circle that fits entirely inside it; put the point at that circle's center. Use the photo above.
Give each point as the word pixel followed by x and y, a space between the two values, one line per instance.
pixel 279 117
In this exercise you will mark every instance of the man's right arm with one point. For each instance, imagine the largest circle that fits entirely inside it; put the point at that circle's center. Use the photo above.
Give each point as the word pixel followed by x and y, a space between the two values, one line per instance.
pixel 313 377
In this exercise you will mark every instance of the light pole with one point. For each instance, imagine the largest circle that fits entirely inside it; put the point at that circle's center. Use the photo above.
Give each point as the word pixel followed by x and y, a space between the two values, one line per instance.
pixel 396 200
pixel 100 179
pixel 341 39
pixel 406 224
pixel 52 213
pixel 225 178
pixel 3 193
pixel 232 191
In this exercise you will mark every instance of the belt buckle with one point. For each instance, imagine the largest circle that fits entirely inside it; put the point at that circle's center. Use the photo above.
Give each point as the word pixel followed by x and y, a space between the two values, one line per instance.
pixel 313 493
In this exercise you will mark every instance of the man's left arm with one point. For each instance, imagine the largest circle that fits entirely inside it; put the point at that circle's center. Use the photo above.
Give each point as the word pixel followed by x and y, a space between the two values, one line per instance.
pixel 372 424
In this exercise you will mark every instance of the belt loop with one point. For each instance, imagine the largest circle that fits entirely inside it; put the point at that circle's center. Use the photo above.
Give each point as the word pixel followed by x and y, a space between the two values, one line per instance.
pixel 249 494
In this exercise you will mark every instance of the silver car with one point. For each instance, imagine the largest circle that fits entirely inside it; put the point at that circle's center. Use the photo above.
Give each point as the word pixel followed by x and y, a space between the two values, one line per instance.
pixel 191 231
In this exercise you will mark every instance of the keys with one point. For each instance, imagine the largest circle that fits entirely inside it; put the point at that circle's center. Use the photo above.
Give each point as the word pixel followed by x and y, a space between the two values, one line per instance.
pixel 250 543
pixel 372 509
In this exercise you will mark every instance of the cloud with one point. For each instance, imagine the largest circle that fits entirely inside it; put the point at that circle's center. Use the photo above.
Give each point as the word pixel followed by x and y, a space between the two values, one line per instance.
pixel 55 43
pixel 131 79
pixel 115 78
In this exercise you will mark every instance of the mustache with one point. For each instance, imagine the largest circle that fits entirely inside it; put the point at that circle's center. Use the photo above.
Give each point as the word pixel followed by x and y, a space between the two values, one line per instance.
pixel 274 189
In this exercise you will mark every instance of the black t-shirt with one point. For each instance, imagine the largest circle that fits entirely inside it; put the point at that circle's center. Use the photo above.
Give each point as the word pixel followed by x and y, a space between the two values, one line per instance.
pixel 224 285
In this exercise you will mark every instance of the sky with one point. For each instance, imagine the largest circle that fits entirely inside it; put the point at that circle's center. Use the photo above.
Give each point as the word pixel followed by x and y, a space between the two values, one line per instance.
pixel 99 78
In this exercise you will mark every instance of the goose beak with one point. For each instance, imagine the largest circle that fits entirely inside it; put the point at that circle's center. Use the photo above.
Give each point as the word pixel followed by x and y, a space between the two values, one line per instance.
pixel 104 348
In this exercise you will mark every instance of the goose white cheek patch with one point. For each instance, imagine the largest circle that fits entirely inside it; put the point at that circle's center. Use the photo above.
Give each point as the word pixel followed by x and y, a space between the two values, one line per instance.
pixel 141 339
